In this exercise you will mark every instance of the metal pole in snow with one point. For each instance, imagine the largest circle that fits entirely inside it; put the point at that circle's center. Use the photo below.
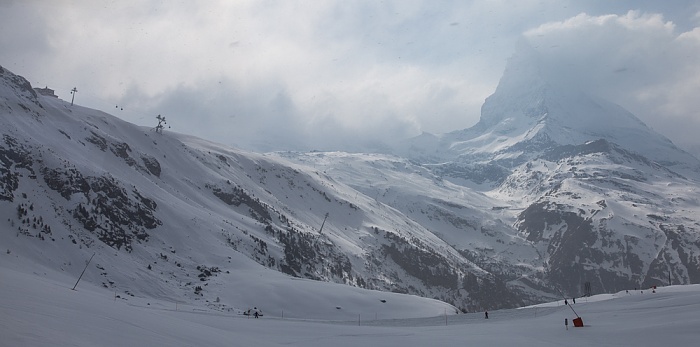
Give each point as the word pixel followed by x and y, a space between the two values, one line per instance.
pixel 322 224
pixel 81 274
pixel 73 91
pixel 572 309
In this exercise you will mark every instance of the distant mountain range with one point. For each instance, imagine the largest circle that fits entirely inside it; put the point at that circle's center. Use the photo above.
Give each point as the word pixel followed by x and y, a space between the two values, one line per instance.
pixel 551 190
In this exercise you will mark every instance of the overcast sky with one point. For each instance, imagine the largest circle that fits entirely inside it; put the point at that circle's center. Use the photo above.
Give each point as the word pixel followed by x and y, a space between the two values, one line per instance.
pixel 329 74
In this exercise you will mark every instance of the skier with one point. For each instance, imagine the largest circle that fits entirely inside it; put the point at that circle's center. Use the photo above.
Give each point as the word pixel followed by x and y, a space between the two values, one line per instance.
pixel 566 302
pixel 255 312
pixel 574 299
pixel 486 314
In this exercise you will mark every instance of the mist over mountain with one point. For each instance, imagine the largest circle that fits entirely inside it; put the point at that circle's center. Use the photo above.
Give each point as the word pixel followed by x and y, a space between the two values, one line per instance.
pixel 553 189
pixel 599 195
pixel 602 196
pixel 537 107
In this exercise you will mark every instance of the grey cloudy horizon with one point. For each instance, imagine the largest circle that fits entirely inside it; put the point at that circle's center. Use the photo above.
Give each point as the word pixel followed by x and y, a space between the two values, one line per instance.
pixel 338 75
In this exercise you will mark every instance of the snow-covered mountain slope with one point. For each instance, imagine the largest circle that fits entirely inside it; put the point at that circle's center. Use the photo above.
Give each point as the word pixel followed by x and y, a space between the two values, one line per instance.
pixel 608 216
pixel 602 197
pixel 552 190
pixel 590 213
pixel 467 220
pixel 553 187
pixel 179 218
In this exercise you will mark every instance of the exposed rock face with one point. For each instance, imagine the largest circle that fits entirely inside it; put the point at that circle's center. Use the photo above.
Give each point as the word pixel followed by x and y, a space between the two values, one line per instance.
pixel 14 159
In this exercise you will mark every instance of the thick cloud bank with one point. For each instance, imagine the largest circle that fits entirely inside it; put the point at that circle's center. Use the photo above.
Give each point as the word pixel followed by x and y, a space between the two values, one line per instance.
pixel 345 75
pixel 637 60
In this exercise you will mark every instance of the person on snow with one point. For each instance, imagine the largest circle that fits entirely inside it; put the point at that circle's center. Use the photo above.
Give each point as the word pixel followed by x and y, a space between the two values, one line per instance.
pixel 486 314
pixel 566 302
pixel 255 312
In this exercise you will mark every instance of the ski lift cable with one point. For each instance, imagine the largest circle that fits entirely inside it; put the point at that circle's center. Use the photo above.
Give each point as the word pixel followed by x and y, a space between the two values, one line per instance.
pixel 104 105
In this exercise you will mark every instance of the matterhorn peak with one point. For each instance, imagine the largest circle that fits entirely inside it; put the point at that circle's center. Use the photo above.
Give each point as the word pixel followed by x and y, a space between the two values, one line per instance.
pixel 531 95
pixel 537 107
pixel 521 87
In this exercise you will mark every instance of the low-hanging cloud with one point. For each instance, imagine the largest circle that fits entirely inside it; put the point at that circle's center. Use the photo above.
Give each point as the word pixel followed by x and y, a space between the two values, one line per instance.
pixel 315 74
pixel 335 74
pixel 638 60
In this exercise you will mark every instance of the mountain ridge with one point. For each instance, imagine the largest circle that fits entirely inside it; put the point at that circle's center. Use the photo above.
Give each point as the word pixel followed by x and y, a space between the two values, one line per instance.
pixel 503 214
pixel 173 208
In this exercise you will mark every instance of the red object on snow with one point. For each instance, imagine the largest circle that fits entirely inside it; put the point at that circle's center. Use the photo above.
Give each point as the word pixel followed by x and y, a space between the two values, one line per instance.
pixel 578 322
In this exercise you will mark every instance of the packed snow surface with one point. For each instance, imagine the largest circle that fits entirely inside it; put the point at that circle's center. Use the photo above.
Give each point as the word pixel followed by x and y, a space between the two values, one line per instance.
pixel 38 308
